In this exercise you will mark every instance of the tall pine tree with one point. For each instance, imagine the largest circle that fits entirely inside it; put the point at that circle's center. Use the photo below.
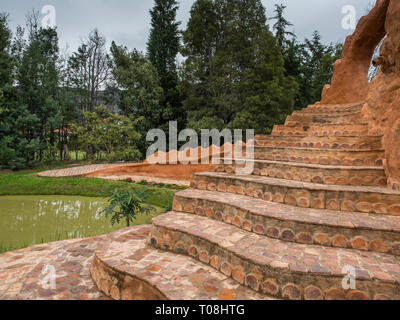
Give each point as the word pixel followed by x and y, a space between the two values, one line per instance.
pixel 162 50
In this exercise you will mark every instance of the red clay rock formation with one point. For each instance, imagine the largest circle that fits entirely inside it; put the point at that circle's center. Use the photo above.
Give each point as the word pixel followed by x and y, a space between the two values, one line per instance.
pixel 382 108
pixel 350 82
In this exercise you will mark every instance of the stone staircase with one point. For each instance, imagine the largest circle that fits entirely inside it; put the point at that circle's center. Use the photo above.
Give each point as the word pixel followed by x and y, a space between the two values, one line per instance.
pixel 316 205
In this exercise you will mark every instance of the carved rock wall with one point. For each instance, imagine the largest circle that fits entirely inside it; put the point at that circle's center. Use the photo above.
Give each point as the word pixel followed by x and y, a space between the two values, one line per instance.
pixel 382 107
pixel 350 78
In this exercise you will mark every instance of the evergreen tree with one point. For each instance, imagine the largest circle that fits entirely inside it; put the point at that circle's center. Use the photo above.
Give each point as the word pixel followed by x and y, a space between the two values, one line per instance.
pixel 233 75
pixel 162 50
pixel 281 25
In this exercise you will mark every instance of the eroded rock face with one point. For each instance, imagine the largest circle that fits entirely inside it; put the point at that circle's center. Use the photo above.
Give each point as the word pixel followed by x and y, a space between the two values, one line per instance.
pixel 382 96
pixel 350 79
pixel 382 107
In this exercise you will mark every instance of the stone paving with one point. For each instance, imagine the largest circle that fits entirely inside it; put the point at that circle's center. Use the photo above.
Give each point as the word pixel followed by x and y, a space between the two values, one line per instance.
pixel 271 266
pixel 21 271
pixel 131 269
pixel 78 171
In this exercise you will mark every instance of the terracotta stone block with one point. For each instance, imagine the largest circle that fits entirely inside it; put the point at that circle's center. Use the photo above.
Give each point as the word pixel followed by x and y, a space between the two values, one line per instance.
pixel 341 181
pixel 329 180
pixel 226 269
pixel 238 275
pixel 378 245
pixel 313 293
pixel 268 196
pixel 274 233
pixel 228 219
pixel 396 248
pixel 232 189
pixel 209 212
pixel 359 243
pixel 339 241
pixel 215 262
pixel 177 206
pixel 204 257
pixel 247 226
pixel 188 208
pixel 211 187
pixel 364 207
pixel 317 204
pixel 237 222
pixel 291 292
pixel 270 287
pixel 252 282
pixel 356 181
pixel 305 237
pixel 259 229
pixel 288 235
pixel 303 202
pixel 222 188
pixel 394 209
pixel 219 216
pixel 357 295
pixel 278 198
pixel 193 252
pixel 322 238
pixel 380 208
pixel 335 294
pixel 333 205
pixel 290 200
pixel 199 211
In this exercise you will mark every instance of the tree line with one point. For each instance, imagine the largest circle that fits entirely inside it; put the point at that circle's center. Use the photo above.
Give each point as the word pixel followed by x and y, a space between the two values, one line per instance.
pixel 231 67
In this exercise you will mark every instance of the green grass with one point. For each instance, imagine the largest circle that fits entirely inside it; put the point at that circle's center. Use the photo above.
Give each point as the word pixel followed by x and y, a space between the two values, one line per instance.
pixel 28 183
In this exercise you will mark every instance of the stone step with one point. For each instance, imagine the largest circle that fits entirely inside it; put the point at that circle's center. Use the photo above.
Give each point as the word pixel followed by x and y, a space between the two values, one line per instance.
pixel 357 143
pixel 321 130
pixel 335 107
pixel 130 269
pixel 294 224
pixel 325 174
pixel 335 157
pixel 298 118
pixel 277 268
pixel 377 200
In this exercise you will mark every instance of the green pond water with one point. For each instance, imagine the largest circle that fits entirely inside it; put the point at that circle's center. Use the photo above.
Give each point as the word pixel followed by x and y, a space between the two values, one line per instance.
pixel 28 220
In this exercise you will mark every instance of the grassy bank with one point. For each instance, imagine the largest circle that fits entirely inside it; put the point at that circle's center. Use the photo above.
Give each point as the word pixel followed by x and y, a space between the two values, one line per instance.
pixel 28 183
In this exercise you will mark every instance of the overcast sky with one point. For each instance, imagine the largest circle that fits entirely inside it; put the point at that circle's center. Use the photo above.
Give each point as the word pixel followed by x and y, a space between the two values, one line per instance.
pixel 127 22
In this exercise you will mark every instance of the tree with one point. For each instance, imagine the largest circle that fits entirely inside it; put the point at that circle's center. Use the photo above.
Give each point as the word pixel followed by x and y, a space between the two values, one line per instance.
pixel 115 135
pixel 90 68
pixel 162 50
pixel 137 86
pixel 233 75
pixel 281 25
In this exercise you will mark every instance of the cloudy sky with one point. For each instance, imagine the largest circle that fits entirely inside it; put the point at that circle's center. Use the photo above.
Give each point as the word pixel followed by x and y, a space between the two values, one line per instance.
pixel 128 21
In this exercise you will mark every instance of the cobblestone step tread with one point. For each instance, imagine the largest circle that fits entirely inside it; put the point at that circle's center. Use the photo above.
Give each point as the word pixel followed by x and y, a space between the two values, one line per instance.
pixel 286 256
pixel 131 269
pixel 350 220
pixel 300 185
pixel 307 165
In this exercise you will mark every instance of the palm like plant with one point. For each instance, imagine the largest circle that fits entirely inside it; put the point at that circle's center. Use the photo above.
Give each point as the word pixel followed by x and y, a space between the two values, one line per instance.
pixel 126 205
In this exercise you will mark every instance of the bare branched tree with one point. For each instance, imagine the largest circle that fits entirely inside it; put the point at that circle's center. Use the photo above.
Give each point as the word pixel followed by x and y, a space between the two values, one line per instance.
pixel 90 69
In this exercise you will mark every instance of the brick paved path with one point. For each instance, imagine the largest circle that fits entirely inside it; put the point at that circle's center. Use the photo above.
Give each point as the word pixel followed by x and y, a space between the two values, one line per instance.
pixel 78 171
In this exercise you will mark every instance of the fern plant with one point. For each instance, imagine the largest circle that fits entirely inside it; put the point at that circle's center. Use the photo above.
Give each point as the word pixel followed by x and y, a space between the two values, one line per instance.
pixel 126 205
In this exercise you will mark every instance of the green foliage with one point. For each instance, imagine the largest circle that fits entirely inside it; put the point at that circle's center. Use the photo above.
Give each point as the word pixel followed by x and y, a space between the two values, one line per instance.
pixel 113 134
pixel 234 71
pixel 162 50
pixel 310 63
pixel 126 205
